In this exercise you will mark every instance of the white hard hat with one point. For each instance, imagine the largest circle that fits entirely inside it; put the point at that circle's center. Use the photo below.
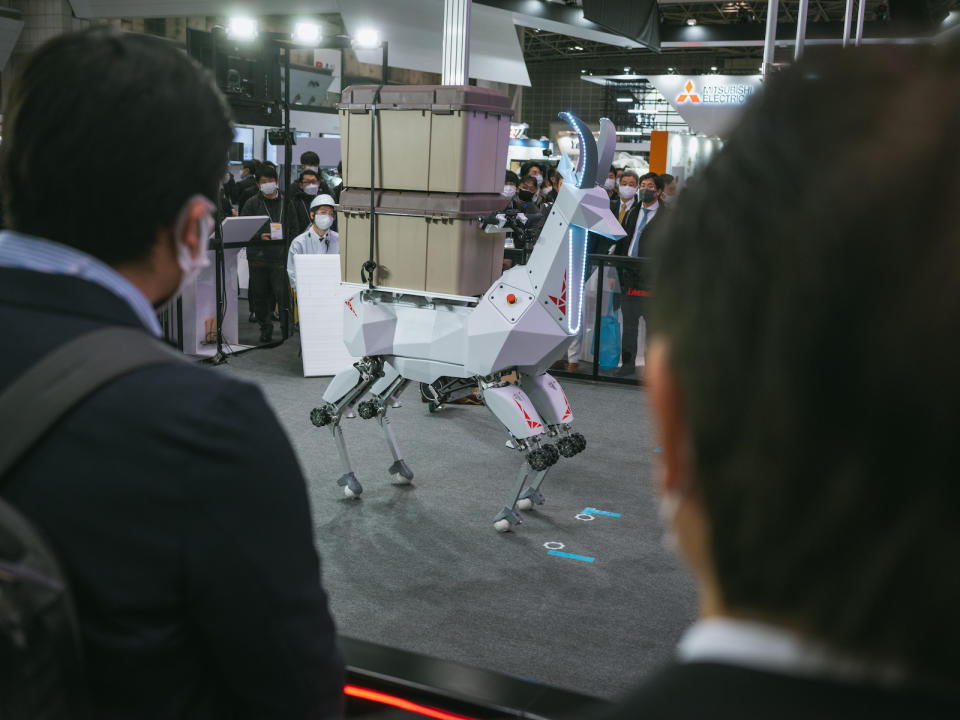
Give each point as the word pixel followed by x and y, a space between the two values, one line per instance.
pixel 323 200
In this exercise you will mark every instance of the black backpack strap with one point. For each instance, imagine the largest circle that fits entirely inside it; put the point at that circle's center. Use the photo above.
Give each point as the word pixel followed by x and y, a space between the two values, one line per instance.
pixel 61 379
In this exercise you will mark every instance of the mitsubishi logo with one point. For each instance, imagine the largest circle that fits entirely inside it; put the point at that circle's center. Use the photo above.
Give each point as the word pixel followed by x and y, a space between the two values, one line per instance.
pixel 689 94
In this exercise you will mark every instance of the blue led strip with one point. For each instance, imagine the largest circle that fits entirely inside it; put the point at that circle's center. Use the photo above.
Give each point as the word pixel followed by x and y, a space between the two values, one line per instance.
pixel 594 511
pixel 580 277
pixel 570 556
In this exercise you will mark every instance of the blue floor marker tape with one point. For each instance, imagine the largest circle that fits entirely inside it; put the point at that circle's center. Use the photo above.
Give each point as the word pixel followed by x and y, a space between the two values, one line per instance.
pixel 570 556
pixel 594 511
pixel 658 449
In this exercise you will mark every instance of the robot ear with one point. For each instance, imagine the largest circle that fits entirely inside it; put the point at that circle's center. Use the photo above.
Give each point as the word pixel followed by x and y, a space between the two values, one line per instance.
pixel 607 145
pixel 585 176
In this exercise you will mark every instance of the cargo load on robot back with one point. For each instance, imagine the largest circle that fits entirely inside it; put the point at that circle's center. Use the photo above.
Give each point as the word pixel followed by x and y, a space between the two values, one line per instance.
pixel 429 138
pixel 425 241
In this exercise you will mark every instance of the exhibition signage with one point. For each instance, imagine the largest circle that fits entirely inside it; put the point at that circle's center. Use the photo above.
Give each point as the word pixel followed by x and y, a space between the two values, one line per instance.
pixel 709 104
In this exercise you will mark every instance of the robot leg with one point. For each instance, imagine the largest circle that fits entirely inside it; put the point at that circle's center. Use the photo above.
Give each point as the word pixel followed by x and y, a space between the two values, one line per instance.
pixel 344 390
pixel 511 406
pixel 386 392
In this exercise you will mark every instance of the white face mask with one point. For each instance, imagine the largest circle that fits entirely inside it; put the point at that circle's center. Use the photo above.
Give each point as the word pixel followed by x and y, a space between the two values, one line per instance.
pixel 268 188
pixel 322 221
pixel 627 192
pixel 311 189
pixel 509 191
pixel 191 265
pixel 609 183
pixel 539 179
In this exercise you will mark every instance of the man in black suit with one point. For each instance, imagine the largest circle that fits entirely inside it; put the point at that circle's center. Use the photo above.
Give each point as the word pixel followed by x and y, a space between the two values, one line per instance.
pixel 171 495
pixel 802 373
pixel 647 214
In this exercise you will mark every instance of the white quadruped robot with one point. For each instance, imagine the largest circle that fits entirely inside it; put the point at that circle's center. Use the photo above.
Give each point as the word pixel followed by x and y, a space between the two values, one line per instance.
pixel 523 323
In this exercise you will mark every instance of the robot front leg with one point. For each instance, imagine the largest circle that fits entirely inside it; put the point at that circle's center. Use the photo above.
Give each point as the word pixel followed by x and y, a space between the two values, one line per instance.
pixel 386 391
pixel 513 409
pixel 344 390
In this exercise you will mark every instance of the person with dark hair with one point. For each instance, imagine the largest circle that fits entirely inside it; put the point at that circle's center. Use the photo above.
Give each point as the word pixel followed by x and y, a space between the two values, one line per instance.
pixel 268 286
pixel 306 188
pixel 510 184
pixel 170 494
pixel 535 171
pixel 610 184
pixel 309 162
pixel 802 375
pixel 669 189
pixel 248 179
pixel 527 195
pixel 647 215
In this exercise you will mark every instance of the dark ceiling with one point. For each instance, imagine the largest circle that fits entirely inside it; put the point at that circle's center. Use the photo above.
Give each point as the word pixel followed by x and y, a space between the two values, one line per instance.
pixel 541 46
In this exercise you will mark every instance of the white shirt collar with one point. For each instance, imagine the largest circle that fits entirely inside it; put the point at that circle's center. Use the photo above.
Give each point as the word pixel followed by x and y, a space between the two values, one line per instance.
pixel 760 646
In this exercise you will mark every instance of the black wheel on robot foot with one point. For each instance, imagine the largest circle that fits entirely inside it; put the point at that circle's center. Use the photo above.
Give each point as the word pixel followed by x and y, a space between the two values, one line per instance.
pixel 567 446
pixel 367 409
pixel 581 442
pixel 538 460
pixel 320 416
pixel 552 453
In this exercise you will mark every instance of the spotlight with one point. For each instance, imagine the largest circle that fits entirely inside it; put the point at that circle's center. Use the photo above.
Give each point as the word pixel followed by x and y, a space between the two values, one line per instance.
pixel 242 28
pixel 367 39
pixel 306 32
pixel 625 99
pixel 713 68
pixel 691 21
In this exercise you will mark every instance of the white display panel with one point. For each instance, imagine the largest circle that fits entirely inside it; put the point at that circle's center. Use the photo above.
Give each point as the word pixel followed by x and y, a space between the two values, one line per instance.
pixel 320 299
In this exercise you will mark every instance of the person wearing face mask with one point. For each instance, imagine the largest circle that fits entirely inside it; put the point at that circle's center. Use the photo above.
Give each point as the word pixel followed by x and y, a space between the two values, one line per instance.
pixel 669 195
pixel 307 189
pixel 318 239
pixel 510 183
pixel 309 162
pixel 248 180
pixel 527 195
pixel 610 184
pixel 648 214
pixel 268 287
pixel 171 495
pixel 534 171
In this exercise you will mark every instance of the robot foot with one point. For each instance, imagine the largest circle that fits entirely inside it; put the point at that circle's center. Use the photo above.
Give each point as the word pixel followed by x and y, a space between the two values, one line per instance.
pixel 528 498
pixel 401 472
pixel 506 519
pixel 351 486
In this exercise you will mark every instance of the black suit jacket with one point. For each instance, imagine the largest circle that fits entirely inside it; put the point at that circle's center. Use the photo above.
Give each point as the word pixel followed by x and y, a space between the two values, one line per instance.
pixel 695 691
pixel 601 244
pixel 178 509
pixel 635 280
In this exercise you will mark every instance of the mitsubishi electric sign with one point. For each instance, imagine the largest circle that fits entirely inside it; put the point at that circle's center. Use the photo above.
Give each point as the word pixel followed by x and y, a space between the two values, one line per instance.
pixel 710 104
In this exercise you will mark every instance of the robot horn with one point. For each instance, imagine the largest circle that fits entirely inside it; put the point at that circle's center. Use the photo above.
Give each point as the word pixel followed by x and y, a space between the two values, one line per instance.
pixel 585 176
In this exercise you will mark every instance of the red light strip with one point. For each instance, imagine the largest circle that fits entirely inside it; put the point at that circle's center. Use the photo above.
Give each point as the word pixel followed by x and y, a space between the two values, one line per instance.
pixel 393 701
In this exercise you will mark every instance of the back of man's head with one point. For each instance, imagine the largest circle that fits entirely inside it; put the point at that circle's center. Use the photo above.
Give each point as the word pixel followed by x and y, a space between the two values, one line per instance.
pixel 812 330
pixel 310 158
pixel 94 105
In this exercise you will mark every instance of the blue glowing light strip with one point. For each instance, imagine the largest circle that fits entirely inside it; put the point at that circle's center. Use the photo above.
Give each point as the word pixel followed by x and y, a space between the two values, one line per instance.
pixel 582 278
pixel 570 556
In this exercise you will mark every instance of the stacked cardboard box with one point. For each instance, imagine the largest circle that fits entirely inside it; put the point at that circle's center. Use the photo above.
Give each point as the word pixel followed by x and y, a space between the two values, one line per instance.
pixel 439 159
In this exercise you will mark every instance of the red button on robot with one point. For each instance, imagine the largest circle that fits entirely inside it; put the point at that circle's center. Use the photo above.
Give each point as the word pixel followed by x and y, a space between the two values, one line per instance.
pixel 511 299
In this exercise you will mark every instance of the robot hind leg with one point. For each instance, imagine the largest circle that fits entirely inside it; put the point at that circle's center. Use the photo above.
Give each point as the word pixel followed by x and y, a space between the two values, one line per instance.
pixel 386 392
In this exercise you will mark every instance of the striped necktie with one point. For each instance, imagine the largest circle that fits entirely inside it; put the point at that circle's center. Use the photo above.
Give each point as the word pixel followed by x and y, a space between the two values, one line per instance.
pixel 623 211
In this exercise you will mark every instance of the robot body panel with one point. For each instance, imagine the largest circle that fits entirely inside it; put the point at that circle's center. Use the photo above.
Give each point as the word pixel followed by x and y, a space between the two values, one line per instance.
pixel 548 398
pixel 511 406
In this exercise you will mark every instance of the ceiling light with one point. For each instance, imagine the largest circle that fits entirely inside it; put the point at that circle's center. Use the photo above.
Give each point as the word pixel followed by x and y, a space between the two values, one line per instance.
pixel 367 38
pixel 577 47
pixel 306 32
pixel 691 21
pixel 713 68
pixel 626 69
pixel 625 99
pixel 242 28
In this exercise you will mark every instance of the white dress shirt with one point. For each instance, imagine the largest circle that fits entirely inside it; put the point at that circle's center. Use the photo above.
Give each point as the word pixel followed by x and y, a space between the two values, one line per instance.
pixel 769 648
pixel 310 242
pixel 26 252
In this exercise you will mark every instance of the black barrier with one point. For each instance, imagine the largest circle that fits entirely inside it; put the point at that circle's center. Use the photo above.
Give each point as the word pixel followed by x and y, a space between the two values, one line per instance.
pixel 639 272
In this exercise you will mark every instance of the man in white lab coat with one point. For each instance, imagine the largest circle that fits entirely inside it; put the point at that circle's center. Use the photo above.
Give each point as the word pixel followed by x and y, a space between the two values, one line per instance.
pixel 318 238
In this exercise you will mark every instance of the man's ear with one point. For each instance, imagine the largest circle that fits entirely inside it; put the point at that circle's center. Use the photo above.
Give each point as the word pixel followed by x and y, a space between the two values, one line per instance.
pixel 190 218
pixel 670 421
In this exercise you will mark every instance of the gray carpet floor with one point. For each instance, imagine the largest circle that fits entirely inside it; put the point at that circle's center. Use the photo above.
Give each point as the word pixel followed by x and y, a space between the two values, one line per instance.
pixel 420 567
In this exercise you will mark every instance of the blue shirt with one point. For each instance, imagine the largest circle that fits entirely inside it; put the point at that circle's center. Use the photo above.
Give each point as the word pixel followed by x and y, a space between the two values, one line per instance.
pixel 26 252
